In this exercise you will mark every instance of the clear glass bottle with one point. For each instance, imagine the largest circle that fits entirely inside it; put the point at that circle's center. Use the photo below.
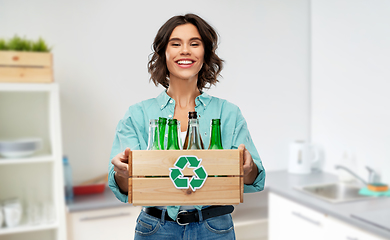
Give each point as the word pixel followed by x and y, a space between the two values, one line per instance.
pixel 193 139
pixel 173 137
pixel 153 142
pixel 162 123
pixel 68 182
pixel 216 138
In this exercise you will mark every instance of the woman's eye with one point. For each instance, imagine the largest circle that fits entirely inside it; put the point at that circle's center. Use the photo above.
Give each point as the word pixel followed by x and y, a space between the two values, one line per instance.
pixel 195 44
pixel 175 44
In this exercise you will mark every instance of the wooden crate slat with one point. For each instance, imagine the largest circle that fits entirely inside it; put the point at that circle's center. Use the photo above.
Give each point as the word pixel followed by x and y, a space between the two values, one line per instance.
pixel 16 58
pixel 157 163
pixel 26 75
pixel 161 192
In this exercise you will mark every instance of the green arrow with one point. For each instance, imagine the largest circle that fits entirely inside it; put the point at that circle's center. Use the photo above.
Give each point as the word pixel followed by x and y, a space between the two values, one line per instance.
pixel 196 183
pixel 181 182
pixel 181 162
pixel 200 172
pixel 194 162
pixel 174 173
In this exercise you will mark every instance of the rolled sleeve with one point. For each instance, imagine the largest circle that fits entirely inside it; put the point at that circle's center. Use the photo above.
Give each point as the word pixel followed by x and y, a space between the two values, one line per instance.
pixel 258 184
pixel 114 186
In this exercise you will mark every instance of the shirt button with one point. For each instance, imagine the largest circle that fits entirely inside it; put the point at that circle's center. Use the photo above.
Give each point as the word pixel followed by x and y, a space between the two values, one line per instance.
pixel 170 116
pixel 205 133
pixel 162 106
pixel 171 101
pixel 204 105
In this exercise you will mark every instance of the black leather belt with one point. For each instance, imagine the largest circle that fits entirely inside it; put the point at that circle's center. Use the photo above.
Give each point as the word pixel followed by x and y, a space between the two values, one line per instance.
pixel 184 217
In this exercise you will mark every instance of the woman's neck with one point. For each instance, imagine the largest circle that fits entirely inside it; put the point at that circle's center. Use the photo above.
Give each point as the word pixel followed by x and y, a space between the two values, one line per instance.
pixel 183 92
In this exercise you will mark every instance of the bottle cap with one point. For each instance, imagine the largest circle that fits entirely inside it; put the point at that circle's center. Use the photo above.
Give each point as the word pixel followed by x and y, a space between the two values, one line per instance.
pixel 192 115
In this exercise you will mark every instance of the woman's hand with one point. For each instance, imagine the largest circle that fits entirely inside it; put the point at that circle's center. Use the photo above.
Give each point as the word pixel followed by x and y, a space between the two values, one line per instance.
pixel 121 168
pixel 250 168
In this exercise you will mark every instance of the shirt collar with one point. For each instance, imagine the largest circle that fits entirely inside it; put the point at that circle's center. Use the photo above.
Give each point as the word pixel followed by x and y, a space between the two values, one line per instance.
pixel 163 99
pixel 204 99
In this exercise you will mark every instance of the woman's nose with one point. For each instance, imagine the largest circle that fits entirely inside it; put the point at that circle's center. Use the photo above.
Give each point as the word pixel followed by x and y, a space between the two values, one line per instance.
pixel 185 50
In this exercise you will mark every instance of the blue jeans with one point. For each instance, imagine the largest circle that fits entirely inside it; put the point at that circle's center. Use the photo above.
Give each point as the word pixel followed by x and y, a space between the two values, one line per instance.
pixel 149 227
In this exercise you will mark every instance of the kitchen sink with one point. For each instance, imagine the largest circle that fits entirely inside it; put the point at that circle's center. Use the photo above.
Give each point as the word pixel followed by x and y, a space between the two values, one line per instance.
pixel 334 192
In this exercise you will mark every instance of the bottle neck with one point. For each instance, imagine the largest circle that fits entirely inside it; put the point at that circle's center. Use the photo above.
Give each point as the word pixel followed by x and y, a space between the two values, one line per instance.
pixel 173 138
pixel 193 138
pixel 216 138
pixel 153 143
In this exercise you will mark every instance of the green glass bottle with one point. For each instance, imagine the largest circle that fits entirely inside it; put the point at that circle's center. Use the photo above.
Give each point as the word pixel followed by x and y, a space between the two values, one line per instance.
pixel 216 138
pixel 173 138
pixel 162 122
pixel 153 142
pixel 193 139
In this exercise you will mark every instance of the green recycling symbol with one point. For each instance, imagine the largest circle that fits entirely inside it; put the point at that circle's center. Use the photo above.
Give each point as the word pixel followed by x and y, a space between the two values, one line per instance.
pixel 182 182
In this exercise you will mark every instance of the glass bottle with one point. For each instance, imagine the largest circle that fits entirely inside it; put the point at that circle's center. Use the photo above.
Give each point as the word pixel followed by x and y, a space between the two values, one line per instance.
pixel 162 122
pixel 216 138
pixel 153 142
pixel 68 180
pixel 193 139
pixel 173 138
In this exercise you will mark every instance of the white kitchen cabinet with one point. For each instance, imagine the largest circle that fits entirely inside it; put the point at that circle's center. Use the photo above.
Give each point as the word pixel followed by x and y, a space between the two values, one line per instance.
pixel 33 110
pixel 289 220
pixel 101 224
pixel 338 230
pixel 250 218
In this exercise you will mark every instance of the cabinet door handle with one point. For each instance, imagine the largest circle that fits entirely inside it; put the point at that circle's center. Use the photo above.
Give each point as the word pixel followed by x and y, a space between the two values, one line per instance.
pixel 104 216
pixel 297 214
pixel 352 238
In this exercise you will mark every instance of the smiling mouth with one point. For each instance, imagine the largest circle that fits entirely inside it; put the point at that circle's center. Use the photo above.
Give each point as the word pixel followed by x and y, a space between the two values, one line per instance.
pixel 185 62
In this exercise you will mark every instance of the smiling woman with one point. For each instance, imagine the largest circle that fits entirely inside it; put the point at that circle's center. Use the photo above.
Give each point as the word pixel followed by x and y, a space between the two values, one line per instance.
pixel 184 62
pixel 205 36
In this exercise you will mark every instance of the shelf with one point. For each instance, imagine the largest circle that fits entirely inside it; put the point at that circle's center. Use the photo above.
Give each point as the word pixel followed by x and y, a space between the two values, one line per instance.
pixel 27 87
pixel 27 228
pixel 28 160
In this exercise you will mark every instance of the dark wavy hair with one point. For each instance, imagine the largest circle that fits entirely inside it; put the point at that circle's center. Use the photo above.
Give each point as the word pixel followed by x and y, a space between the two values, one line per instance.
pixel 212 65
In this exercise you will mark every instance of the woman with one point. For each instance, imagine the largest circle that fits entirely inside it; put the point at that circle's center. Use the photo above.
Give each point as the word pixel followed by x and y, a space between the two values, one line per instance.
pixel 184 62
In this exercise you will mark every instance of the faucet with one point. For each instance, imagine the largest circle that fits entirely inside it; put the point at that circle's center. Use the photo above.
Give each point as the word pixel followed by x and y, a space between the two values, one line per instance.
pixel 373 176
pixel 352 173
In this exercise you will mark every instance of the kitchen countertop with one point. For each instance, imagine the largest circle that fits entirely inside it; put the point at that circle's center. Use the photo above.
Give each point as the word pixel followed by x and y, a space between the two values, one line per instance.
pixel 283 184
pixel 106 199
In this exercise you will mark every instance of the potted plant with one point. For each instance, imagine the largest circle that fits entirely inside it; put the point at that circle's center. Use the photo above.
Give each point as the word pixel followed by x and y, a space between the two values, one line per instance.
pixel 25 61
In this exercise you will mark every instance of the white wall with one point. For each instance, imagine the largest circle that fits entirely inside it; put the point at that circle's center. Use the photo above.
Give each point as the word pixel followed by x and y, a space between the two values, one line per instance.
pixel 101 50
pixel 351 82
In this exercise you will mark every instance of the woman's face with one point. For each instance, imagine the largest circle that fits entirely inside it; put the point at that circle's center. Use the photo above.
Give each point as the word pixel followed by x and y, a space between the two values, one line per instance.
pixel 184 53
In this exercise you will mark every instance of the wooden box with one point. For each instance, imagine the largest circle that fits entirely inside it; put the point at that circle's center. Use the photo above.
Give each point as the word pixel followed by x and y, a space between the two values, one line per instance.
pixel 152 175
pixel 26 67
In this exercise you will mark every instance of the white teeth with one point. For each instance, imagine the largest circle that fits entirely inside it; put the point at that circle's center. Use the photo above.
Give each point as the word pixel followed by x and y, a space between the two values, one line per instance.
pixel 184 62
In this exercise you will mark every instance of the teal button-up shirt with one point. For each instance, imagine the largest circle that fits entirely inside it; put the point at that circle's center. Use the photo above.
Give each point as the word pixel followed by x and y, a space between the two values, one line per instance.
pixel 133 129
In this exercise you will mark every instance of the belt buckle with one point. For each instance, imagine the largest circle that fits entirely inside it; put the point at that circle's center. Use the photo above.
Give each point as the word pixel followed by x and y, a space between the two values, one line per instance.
pixel 177 218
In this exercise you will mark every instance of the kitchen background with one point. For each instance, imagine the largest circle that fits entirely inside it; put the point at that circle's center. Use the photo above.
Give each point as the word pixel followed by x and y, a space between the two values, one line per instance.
pixel 101 50
pixel 299 70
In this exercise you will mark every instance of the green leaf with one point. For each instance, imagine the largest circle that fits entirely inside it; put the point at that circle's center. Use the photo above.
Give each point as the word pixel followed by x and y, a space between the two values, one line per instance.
pixel 3 45
pixel 22 44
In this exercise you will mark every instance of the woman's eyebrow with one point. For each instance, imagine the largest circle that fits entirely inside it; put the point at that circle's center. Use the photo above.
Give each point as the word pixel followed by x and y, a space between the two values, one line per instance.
pixel 178 39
